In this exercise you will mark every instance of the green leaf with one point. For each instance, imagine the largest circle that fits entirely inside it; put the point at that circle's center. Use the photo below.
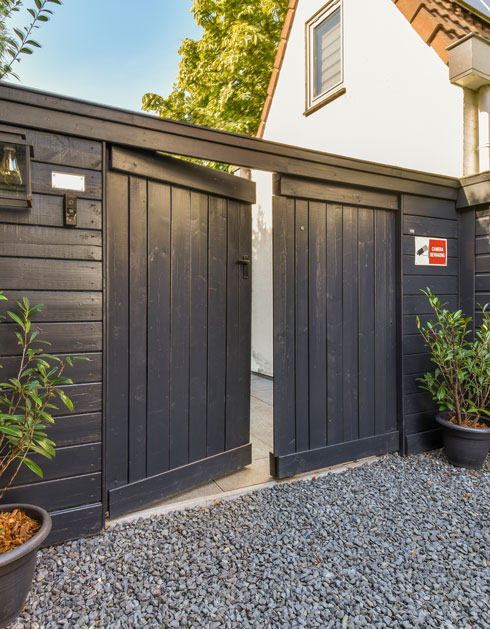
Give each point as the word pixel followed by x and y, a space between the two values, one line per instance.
pixel 34 467
pixel 66 400
pixel 16 318
pixel 11 430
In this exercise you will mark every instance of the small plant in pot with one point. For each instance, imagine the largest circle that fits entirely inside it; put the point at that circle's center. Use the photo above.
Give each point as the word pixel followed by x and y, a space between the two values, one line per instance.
pixel 460 384
pixel 26 405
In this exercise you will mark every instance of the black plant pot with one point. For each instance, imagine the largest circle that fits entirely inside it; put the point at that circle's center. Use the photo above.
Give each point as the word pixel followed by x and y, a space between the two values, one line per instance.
pixel 17 566
pixel 465 447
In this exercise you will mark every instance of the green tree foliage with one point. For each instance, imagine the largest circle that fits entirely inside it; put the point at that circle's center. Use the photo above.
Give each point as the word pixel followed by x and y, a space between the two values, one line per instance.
pixel 18 41
pixel 223 77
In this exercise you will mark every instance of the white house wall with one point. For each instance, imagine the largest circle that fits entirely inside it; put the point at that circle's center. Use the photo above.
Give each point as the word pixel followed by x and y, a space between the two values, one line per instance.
pixel 399 108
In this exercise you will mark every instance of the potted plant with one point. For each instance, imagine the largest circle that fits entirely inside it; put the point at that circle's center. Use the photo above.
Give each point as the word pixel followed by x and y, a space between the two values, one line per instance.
pixel 460 384
pixel 26 404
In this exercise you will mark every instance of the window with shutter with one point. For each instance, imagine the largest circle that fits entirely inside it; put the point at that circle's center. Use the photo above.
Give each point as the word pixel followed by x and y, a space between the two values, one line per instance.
pixel 324 60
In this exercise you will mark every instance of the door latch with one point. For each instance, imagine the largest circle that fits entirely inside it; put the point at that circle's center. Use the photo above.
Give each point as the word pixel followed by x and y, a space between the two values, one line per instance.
pixel 245 262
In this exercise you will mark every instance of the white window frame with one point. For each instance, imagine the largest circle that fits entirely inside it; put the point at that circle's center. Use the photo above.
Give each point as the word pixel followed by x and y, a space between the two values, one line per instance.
pixel 315 102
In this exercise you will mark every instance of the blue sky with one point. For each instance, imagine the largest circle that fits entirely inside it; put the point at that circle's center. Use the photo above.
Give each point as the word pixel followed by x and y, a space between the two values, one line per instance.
pixel 109 51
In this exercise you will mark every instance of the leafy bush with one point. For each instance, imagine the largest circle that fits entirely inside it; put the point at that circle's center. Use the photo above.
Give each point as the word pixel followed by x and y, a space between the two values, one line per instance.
pixel 461 381
pixel 27 401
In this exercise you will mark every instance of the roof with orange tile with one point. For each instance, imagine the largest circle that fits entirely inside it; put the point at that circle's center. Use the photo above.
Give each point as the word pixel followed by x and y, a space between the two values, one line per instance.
pixel 438 22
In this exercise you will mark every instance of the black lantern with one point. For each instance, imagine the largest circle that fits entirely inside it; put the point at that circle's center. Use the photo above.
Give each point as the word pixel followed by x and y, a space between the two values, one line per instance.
pixel 15 172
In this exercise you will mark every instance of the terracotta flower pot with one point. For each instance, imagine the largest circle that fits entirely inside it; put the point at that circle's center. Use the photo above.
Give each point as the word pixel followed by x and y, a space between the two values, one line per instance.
pixel 465 446
pixel 17 565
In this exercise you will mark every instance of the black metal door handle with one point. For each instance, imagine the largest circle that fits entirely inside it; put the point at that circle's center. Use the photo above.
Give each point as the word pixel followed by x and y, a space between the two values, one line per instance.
pixel 245 262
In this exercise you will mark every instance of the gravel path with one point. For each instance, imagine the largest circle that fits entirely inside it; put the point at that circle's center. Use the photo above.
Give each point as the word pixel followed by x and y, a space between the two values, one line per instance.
pixel 403 542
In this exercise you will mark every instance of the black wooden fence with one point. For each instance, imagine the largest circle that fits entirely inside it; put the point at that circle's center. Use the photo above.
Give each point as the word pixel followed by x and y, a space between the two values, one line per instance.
pixel 346 292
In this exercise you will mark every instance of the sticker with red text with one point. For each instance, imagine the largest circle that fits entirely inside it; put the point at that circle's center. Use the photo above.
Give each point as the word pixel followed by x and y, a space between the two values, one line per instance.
pixel 430 251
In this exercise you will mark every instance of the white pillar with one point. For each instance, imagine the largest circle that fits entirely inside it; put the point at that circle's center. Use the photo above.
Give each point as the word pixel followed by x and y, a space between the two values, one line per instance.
pixel 484 128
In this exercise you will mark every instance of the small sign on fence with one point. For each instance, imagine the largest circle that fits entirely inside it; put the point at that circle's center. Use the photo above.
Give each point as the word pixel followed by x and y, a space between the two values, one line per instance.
pixel 430 251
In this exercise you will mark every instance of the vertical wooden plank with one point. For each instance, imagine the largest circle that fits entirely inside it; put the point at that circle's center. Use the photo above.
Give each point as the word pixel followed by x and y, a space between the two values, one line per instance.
pixel 366 323
pixel 218 218
pixel 179 327
pixel 350 284
pixel 392 363
pixel 117 330
pixel 318 324
pixel 198 326
pixel 242 434
pixel 284 299
pixel 335 369
pixel 157 435
pixel 238 326
pixel 382 322
pixel 302 231
pixel 467 229
pixel 138 325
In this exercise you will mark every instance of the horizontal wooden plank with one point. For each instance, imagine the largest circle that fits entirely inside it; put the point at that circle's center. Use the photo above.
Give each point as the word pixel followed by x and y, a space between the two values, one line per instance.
pixel 411 383
pixel 409 246
pixel 482 212
pixel 82 370
pixel 482 263
pixel 482 245
pixel 418 403
pixel 420 422
pixel 135 495
pixel 482 283
pixel 442 285
pixel 63 149
pixel 69 461
pixel 59 494
pixel 181 173
pixel 48 210
pixel 152 133
pixel 428 207
pixel 419 304
pixel 482 298
pixel 74 523
pixel 34 273
pixel 41 180
pixel 413 344
pixel 86 398
pixel 309 460
pixel 28 241
pixel 64 337
pixel 410 322
pixel 58 306
pixel 410 268
pixel 70 430
pixel 328 191
pixel 433 227
pixel 423 441
pixel 417 363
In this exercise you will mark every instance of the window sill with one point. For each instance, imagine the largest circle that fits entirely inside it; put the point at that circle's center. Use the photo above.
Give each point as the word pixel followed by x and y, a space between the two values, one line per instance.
pixel 325 101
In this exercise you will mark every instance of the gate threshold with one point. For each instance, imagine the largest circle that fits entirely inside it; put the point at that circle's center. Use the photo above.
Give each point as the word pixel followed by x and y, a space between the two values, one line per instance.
pixel 180 504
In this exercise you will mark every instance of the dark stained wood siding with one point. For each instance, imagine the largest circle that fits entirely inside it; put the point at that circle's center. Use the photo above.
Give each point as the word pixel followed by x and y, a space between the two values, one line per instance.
pixel 335 331
pixel 482 261
pixel 423 216
pixel 62 269
pixel 179 310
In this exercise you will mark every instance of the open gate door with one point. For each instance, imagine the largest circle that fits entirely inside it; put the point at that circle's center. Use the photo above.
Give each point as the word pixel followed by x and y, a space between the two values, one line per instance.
pixel 178 326
pixel 335 313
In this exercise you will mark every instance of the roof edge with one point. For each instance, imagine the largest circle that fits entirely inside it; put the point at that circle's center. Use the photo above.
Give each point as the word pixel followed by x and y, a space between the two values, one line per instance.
pixel 281 51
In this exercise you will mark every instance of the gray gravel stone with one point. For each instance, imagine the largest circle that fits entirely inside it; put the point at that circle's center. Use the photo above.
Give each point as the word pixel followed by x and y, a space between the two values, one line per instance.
pixel 403 542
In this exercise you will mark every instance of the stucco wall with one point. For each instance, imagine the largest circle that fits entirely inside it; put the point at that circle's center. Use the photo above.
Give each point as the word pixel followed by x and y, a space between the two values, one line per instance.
pixel 399 108
pixel 262 276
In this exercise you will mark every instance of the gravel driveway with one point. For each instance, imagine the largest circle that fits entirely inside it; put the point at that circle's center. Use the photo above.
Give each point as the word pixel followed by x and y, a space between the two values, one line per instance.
pixel 403 542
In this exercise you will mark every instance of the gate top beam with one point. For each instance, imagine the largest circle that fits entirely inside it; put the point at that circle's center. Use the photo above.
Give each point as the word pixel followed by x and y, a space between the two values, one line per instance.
pixel 59 114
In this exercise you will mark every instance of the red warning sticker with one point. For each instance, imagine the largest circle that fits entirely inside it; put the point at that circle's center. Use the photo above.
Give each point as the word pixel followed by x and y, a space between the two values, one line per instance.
pixel 430 251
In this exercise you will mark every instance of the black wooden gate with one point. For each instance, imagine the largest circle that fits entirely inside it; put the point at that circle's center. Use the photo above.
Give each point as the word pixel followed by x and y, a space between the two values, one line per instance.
pixel 178 326
pixel 335 334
